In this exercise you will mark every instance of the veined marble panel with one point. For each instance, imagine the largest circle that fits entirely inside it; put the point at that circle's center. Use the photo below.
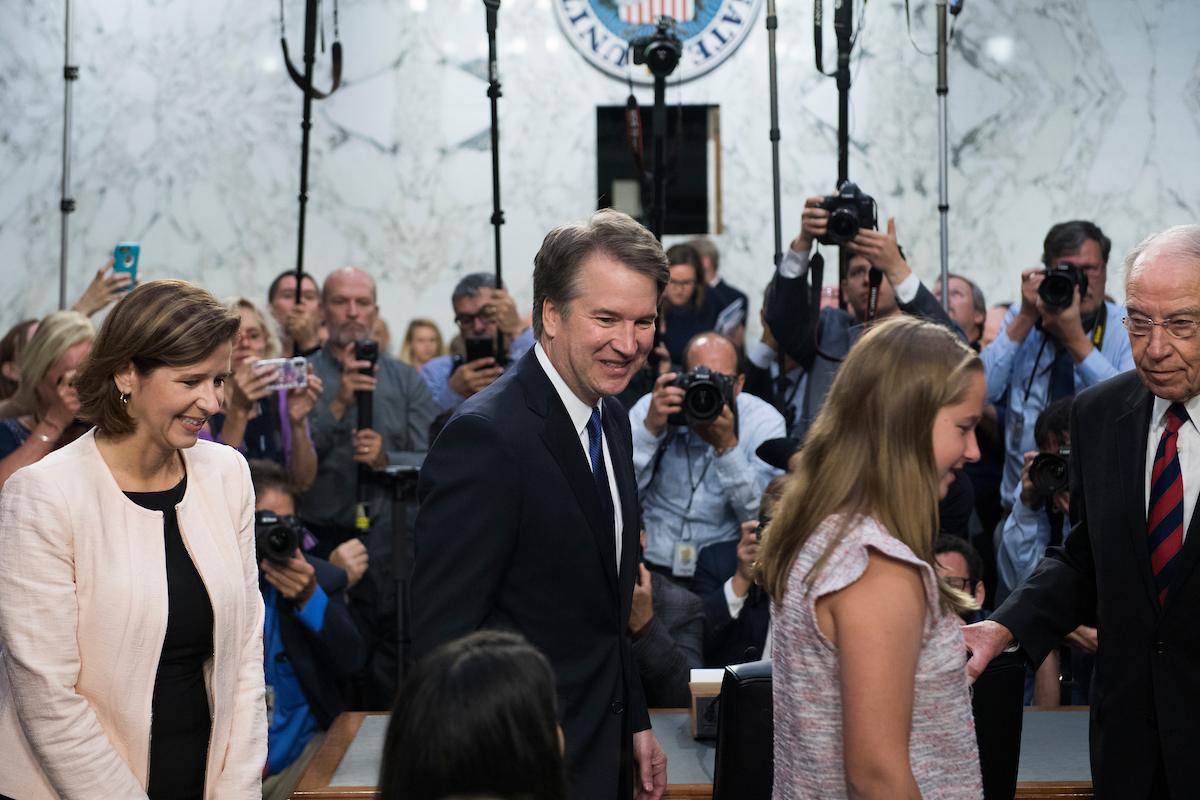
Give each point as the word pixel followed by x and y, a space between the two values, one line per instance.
pixel 187 139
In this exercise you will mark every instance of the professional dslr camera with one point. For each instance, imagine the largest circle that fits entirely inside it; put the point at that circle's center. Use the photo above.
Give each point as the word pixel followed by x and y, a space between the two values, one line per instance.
pixel 1050 472
pixel 1058 287
pixel 849 210
pixel 277 537
pixel 705 394
pixel 660 51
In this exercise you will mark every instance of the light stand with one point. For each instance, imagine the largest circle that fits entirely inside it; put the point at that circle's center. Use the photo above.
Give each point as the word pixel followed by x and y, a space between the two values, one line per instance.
pixel 843 27
pixel 493 92
pixel 67 204
pixel 305 83
pixel 772 69
pixel 943 149
pixel 403 480
pixel 660 52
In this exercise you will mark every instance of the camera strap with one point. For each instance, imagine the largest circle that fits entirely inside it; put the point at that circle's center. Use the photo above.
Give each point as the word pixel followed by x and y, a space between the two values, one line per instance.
pixel 1099 325
pixel 633 133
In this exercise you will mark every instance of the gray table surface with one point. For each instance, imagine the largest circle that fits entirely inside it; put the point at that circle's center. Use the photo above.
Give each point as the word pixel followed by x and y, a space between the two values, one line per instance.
pixel 1054 747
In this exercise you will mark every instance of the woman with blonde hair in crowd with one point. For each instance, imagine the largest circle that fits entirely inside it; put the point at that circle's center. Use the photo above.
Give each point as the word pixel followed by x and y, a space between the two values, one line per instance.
pixel 41 416
pixel 261 423
pixel 870 680
pixel 422 342
pixel 131 636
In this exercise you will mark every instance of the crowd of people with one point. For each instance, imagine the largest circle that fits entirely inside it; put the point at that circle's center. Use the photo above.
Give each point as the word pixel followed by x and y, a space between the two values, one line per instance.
pixel 620 477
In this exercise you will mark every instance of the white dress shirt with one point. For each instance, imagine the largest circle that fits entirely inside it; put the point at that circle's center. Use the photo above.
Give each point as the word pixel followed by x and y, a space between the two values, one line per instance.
pixel 1188 445
pixel 580 413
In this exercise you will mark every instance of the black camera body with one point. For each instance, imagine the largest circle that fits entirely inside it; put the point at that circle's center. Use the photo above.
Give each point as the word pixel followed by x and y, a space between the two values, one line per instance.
pixel 660 51
pixel 477 347
pixel 276 536
pixel 1057 289
pixel 849 210
pixel 705 395
pixel 1051 472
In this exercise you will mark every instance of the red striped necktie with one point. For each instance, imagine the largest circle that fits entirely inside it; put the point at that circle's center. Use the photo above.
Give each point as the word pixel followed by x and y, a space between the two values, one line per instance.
pixel 1165 523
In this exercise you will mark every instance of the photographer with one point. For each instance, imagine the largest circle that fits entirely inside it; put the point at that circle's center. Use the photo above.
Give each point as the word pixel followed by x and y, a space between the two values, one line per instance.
pixel 1044 350
pixel 311 645
pixel 699 482
pixel 481 310
pixel 818 339
pixel 402 411
pixel 299 318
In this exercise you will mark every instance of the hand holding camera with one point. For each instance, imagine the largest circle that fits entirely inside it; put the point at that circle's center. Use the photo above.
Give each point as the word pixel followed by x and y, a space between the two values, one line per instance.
pixel 666 400
pixel 473 377
pixel 1046 477
pixel 303 399
pixel 354 379
pixel 293 576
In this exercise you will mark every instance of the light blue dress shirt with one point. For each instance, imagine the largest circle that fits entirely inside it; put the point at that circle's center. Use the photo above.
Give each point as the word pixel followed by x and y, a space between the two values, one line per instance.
pixel 436 371
pixel 1023 542
pixel 1010 374
pixel 694 496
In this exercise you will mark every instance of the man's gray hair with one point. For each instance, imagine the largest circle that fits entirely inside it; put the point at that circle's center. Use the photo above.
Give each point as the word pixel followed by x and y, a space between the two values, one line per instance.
pixel 977 298
pixel 613 233
pixel 707 249
pixel 470 285
pixel 1182 240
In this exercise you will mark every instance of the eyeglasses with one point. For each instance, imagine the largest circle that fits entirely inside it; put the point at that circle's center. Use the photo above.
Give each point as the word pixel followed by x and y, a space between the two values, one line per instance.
pixel 467 321
pixel 1178 328
pixel 962 584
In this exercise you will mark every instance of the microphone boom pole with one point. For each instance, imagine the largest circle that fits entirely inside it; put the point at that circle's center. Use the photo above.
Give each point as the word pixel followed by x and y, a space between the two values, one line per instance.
pixel 67 204
pixel 772 68
pixel 943 156
pixel 494 94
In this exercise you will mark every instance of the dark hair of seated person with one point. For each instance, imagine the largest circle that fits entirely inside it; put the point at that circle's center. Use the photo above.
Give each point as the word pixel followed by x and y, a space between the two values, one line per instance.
pixel 477 716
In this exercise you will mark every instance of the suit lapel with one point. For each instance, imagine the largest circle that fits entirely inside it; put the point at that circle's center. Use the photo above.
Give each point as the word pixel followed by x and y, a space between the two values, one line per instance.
pixel 1132 429
pixel 562 440
pixel 620 449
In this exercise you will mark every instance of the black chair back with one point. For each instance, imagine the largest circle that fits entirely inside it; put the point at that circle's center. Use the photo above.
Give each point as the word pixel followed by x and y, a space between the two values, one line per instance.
pixel 997 700
pixel 745 762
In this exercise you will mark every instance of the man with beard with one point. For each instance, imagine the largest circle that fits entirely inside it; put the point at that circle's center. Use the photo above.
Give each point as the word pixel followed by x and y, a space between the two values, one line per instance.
pixel 402 411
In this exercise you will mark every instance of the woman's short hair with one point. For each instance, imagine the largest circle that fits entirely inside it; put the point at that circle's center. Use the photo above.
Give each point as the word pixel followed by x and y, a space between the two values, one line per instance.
pixel 406 347
pixel 689 255
pixel 55 334
pixel 159 324
pixel 273 347
pixel 613 233
pixel 870 450
pixel 11 347
pixel 477 716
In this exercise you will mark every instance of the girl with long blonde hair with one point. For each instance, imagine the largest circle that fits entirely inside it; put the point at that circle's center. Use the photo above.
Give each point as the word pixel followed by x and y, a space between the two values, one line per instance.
pixel 870 681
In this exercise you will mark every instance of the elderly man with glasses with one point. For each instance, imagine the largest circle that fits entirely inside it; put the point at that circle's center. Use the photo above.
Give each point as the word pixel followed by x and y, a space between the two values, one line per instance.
pixel 1132 553
pixel 1044 352
pixel 481 311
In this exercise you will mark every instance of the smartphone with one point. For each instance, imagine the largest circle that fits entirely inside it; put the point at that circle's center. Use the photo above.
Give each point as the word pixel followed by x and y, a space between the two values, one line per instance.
pixel 482 347
pixel 125 258
pixel 293 372
pixel 367 350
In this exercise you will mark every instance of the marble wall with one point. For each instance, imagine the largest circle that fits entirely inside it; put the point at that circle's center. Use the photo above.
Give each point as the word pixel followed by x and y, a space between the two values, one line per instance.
pixel 186 138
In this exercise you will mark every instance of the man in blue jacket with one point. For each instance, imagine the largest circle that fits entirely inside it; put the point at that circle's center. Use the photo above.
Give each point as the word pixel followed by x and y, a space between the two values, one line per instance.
pixel 311 645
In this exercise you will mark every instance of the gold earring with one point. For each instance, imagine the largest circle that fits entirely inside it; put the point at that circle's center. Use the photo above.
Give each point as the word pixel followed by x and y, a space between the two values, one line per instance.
pixel 125 398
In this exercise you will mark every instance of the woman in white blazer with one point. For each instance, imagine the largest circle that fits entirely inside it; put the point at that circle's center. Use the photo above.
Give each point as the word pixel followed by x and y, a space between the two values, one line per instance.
pixel 131 623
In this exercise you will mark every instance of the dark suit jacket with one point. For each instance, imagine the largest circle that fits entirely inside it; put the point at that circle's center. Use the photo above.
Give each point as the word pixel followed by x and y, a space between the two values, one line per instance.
pixel 670 648
pixel 510 535
pixel 1146 682
pixel 725 638
pixel 798 329
pixel 323 662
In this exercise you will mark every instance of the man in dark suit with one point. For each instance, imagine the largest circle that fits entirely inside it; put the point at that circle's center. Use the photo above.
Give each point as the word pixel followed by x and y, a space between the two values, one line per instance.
pixel 1131 555
pixel 528 516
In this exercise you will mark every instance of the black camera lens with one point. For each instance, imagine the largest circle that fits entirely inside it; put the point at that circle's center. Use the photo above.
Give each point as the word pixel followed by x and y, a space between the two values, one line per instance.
pixel 1049 473
pixel 277 538
pixel 703 403
pixel 1057 289
pixel 843 224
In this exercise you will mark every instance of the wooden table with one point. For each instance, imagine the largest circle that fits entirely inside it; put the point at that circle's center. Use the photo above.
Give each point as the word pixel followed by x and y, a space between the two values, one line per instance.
pixel 690 763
